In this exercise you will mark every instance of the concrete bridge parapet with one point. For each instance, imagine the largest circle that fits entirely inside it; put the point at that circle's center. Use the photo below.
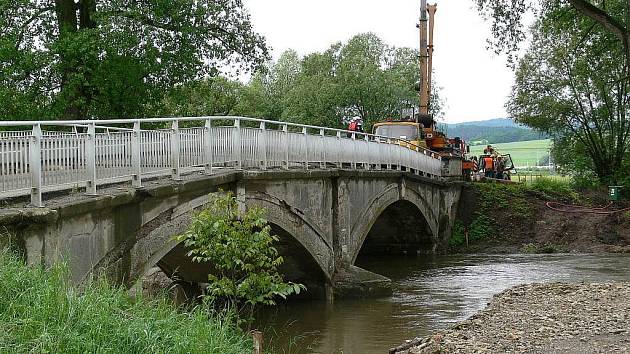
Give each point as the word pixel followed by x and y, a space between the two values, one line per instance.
pixel 326 219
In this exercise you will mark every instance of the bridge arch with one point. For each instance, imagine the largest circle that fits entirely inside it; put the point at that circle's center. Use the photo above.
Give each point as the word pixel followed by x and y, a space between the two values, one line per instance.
pixel 397 201
pixel 290 222
pixel 308 258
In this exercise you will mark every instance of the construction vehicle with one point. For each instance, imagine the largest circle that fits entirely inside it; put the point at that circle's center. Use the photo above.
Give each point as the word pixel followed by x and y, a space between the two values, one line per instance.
pixel 494 157
pixel 404 129
pixel 420 127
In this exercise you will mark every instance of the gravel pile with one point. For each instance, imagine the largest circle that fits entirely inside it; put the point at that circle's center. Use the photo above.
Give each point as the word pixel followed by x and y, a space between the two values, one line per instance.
pixel 540 318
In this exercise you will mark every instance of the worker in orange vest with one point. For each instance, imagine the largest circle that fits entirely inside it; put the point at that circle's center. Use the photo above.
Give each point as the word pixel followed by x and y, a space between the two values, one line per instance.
pixel 488 166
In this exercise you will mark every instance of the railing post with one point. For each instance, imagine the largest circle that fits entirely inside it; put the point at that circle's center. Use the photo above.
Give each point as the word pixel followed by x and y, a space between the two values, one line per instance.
pixel 339 162
pixel 400 158
pixel 285 129
pixel 35 166
pixel 353 163
pixel 322 145
pixel 238 149
pixel 263 143
pixel 388 165
pixel 136 153
pixel 175 158
pixel 209 151
pixel 90 156
pixel 367 145
pixel 379 154
pixel 305 133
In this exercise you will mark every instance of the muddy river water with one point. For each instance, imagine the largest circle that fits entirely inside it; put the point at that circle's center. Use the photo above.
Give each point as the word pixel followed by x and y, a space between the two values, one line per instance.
pixel 430 293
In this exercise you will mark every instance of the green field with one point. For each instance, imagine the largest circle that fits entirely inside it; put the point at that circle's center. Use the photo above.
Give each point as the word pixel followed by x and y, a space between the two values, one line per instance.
pixel 524 153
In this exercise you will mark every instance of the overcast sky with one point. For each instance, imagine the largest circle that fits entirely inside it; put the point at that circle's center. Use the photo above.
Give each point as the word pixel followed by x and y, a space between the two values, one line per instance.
pixel 475 81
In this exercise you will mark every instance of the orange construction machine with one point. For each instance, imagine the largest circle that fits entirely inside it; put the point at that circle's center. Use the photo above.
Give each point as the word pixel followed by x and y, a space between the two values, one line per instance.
pixel 420 128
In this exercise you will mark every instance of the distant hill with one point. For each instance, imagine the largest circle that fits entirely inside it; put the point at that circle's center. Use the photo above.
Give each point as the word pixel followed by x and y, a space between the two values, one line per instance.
pixel 492 131
pixel 497 122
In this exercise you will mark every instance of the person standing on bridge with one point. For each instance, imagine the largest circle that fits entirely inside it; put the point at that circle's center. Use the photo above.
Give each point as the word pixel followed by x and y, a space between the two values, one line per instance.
pixel 355 125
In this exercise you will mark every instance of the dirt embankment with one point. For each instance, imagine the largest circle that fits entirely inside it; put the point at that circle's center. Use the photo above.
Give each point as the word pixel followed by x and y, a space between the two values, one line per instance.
pixel 516 218
pixel 540 318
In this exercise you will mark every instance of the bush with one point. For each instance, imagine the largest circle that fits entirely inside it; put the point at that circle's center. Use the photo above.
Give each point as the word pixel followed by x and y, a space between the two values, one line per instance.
pixel 458 237
pixel 240 248
pixel 551 188
pixel 41 313
pixel 547 248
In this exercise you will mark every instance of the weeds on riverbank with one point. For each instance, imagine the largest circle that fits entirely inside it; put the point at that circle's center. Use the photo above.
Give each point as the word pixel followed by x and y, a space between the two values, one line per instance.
pixel 547 248
pixel 512 201
pixel 553 189
pixel 41 313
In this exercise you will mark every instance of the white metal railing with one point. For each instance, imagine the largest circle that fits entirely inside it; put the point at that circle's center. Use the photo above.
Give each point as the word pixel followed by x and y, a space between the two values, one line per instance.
pixel 61 155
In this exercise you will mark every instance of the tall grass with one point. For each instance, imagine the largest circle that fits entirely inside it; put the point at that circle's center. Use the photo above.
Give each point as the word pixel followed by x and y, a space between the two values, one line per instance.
pixel 41 313
pixel 551 188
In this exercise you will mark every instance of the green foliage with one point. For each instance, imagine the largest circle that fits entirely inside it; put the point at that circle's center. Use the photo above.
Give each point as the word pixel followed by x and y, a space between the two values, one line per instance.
pixel 111 58
pixel 210 96
pixel 41 313
pixel 482 227
pixel 529 248
pixel 510 19
pixel 553 189
pixel 240 249
pixel 546 248
pixel 458 237
pixel 363 77
pixel 573 84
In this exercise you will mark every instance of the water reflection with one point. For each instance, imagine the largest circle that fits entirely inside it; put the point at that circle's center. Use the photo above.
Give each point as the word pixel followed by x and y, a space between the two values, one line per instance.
pixel 430 293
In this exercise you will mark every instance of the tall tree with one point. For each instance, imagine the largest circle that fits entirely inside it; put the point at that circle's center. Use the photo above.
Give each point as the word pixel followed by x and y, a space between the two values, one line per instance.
pixel 210 96
pixel 572 83
pixel 314 99
pixel 363 77
pixel 509 26
pixel 108 58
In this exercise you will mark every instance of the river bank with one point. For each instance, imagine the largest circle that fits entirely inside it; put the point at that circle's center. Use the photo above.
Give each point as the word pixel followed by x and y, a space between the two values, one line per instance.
pixel 42 312
pixel 540 318
pixel 509 219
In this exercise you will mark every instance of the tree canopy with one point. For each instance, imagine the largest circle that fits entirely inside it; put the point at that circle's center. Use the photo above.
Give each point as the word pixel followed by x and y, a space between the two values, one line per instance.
pixel 572 83
pixel 509 26
pixel 110 58
pixel 363 77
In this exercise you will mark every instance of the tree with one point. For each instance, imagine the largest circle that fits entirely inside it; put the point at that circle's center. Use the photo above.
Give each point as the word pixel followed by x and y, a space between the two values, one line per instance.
pixel 210 96
pixel 314 99
pixel 573 84
pixel 108 58
pixel 240 248
pixel 508 19
pixel 363 77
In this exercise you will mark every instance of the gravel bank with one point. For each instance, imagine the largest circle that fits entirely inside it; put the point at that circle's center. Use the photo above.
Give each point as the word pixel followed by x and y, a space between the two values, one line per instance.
pixel 540 318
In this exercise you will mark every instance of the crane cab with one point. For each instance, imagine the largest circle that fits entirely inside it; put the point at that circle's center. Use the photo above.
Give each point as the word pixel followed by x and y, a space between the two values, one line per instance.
pixel 408 131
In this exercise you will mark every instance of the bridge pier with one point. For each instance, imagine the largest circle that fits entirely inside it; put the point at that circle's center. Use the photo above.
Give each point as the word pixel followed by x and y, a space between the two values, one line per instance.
pixel 325 220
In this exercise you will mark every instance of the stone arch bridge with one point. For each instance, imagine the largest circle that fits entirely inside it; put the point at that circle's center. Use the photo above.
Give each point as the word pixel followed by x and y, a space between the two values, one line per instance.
pixel 326 219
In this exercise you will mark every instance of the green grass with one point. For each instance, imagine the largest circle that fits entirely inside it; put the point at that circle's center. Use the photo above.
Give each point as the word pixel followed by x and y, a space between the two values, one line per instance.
pixel 513 201
pixel 551 188
pixel 41 313
pixel 524 153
